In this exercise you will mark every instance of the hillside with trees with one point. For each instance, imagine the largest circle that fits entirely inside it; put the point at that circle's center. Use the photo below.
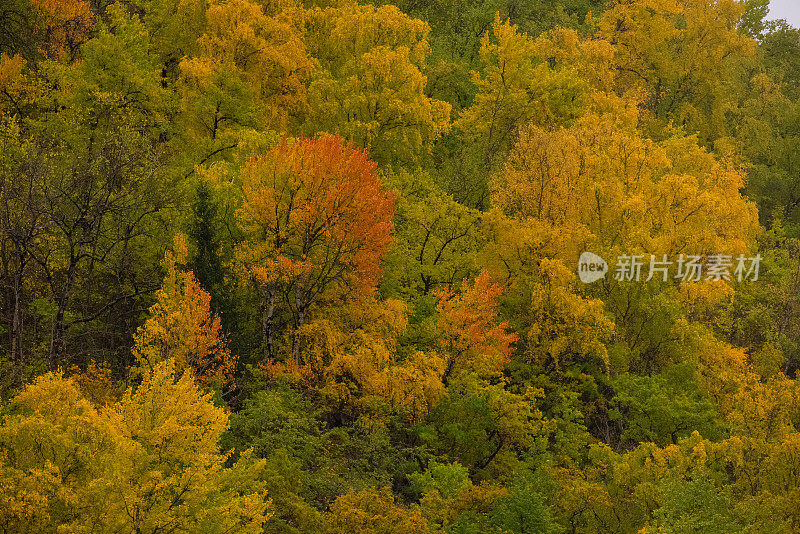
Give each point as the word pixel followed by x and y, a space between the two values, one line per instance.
pixel 320 266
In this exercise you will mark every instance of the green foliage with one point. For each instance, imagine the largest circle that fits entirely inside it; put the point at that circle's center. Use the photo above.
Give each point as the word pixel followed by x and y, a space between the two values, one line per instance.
pixel 447 479
pixel 663 408
pixel 523 510
pixel 694 506
pixel 276 419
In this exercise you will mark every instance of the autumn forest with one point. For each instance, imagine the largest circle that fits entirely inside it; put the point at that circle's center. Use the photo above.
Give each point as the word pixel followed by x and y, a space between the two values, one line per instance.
pixel 339 267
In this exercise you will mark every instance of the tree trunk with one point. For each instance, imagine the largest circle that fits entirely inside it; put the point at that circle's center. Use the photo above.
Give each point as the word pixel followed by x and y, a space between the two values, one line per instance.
pixel 301 317
pixel 269 314
pixel 57 335
pixel 16 323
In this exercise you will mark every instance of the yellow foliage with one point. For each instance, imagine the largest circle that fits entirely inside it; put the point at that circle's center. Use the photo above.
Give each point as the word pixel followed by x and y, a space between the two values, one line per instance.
pixel 355 352
pixel 684 53
pixel 264 52
pixel 146 463
pixel 625 190
pixel 705 299
pixel 372 511
pixel 444 511
pixel 516 88
pixel 67 24
pixel 566 326
pixel 370 86
pixel 15 87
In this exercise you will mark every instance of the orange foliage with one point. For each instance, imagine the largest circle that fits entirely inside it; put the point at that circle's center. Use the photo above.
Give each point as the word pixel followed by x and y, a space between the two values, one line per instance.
pixel 323 210
pixel 16 88
pixel 181 326
pixel 316 220
pixel 471 337
pixel 96 384
pixel 67 24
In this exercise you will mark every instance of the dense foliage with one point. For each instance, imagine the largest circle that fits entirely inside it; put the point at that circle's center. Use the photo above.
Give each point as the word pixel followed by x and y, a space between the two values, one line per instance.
pixel 310 267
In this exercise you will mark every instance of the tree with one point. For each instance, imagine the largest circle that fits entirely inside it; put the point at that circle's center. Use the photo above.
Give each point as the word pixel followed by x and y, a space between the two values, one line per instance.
pixel 144 464
pixel 688 55
pixel 316 225
pixel 457 32
pixel 481 425
pixel 664 197
pixel 356 350
pixel 471 337
pixel 663 408
pixel 206 261
pixel 174 27
pixel 516 87
pixel 83 192
pixel 437 240
pixel 251 70
pixel 437 244
pixel 46 29
pixel 647 197
pixel 781 50
pixel 370 86
pixel 373 511
pixel 17 90
pixel 565 327
pixel 182 328
pixel 246 79
pixel 523 510
pixel 767 132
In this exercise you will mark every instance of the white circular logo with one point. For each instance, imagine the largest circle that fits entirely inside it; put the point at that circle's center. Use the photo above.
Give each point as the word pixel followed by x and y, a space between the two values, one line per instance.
pixel 591 268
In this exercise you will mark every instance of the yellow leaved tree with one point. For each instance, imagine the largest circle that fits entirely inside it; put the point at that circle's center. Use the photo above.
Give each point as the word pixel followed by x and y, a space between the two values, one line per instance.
pixel 688 55
pixel 373 511
pixel 249 74
pixel 603 179
pixel 147 463
pixel 369 86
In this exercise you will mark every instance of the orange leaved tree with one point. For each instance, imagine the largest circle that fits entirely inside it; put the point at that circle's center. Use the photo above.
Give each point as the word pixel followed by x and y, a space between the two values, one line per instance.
pixel 471 335
pixel 317 225
pixel 182 327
